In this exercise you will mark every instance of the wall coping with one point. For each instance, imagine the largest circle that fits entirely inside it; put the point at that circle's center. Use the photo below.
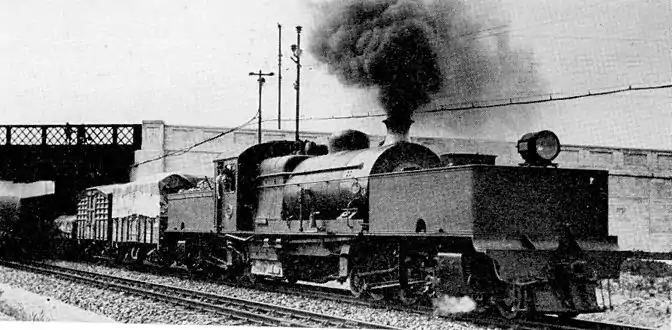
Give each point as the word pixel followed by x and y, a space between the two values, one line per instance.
pixel 322 134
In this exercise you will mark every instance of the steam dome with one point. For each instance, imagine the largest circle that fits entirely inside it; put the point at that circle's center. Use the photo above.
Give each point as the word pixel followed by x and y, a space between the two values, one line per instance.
pixel 348 140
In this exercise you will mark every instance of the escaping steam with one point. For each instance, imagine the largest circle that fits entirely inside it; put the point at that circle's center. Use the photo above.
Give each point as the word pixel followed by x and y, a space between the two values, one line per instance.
pixel 424 54
pixel 447 305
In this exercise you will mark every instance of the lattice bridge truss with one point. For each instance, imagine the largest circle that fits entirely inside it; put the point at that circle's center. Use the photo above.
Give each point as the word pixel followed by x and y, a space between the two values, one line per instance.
pixel 66 135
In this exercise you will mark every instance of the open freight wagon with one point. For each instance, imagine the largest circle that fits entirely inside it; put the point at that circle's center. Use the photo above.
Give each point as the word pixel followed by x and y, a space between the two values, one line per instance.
pixel 128 217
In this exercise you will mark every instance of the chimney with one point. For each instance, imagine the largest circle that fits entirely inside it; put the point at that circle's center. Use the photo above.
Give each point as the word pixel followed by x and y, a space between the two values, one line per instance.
pixel 397 129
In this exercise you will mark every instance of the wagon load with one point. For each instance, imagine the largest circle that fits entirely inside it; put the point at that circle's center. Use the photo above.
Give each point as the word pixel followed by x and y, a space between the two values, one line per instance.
pixel 203 185
pixel 139 206
pixel 65 225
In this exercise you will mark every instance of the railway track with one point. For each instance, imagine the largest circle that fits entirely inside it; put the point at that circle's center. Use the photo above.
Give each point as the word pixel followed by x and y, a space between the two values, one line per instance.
pixel 482 319
pixel 247 311
pixel 302 318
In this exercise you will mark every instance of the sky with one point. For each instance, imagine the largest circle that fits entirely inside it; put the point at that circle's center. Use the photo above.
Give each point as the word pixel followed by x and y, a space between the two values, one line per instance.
pixel 187 63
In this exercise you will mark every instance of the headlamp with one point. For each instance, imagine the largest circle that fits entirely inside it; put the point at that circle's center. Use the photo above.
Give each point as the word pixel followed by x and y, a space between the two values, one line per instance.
pixel 539 148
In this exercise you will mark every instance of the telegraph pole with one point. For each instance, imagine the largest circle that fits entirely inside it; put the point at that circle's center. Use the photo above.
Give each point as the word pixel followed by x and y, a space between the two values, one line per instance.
pixel 261 81
pixel 279 74
pixel 296 50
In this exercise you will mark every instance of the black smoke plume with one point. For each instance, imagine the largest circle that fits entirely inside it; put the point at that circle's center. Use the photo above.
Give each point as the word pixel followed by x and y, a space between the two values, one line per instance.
pixel 385 44
pixel 426 54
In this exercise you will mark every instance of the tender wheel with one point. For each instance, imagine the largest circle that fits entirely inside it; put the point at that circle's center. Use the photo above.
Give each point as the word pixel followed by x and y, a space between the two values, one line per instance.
pixel 409 297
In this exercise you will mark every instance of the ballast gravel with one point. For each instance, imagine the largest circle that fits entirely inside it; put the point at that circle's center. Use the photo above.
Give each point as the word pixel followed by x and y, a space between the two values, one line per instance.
pixel 127 308
pixel 119 306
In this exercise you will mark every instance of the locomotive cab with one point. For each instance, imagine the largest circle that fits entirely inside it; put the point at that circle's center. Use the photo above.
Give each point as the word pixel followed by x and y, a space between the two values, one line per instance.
pixel 237 180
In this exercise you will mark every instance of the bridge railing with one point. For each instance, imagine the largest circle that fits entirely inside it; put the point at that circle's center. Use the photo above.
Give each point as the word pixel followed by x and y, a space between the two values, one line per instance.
pixel 64 135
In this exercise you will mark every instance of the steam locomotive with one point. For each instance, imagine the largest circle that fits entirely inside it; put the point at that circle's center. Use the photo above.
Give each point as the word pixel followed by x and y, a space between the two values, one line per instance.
pixel 396 221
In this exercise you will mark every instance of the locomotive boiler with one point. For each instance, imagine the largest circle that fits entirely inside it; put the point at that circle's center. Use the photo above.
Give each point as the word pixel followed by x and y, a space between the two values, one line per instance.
pixel 398 220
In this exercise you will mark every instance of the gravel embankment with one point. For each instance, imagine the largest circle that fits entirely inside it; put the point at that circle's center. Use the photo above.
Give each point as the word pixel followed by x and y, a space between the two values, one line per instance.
pixel 324 306
pixel 640 301
pixel 118 306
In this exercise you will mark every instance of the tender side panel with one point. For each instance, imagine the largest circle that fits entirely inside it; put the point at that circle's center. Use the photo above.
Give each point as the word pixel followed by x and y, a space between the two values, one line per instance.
pixel 441 198
pixel 191 212
pixel 537 202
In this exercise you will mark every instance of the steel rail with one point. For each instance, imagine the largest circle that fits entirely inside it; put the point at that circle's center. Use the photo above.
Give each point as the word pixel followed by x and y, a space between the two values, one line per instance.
pixel 476 318
pixel 247 310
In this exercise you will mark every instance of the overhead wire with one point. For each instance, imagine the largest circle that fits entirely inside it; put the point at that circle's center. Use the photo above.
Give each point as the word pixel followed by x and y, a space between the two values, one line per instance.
pixel 606 38
pixel 475 105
